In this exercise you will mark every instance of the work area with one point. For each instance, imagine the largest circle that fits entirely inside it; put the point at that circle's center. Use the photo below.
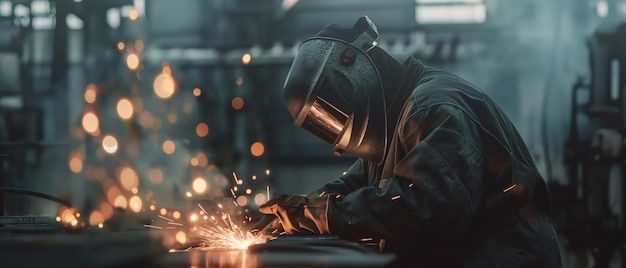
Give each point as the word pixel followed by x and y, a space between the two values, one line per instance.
pixel 312 133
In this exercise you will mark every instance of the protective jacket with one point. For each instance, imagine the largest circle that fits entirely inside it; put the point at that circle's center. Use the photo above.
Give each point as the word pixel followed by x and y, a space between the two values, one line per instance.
pixel 457 187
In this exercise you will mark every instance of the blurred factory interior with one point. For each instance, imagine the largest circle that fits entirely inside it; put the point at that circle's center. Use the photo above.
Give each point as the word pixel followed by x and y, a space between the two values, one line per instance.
pixel 148 107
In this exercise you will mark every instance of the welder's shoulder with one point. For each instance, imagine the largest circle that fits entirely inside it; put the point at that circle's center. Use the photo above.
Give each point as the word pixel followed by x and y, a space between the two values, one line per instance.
pixel 434 80
pixel 438 88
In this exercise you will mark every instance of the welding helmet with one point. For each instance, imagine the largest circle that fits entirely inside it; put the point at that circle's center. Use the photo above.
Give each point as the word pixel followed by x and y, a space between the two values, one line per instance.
pixel 334 90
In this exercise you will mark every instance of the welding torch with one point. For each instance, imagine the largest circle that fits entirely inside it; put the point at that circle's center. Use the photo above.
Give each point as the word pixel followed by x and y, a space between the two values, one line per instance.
pixel 262 224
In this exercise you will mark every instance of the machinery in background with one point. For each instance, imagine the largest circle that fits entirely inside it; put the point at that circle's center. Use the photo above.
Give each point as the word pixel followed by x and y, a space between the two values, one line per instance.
pixel 595 155
pixel 20 120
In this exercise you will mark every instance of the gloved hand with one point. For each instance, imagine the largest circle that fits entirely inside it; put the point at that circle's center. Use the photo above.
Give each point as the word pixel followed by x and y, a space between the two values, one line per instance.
pixel 299 214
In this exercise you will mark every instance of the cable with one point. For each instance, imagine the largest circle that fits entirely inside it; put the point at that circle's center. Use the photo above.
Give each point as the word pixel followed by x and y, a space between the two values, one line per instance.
pixel 37 194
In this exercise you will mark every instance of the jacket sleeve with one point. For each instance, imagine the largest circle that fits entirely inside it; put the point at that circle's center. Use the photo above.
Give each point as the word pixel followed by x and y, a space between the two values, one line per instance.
pixel 435 188
pixel 355 177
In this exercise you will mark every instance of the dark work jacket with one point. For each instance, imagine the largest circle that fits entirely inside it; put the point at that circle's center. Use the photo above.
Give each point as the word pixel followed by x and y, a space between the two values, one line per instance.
pixel 457 188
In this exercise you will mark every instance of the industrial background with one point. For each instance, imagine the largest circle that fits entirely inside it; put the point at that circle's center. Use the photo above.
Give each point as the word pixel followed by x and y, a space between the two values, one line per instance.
pixel 140 110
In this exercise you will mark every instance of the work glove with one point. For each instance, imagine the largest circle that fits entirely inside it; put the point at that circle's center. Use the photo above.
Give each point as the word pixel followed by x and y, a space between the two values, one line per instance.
pixel 298 214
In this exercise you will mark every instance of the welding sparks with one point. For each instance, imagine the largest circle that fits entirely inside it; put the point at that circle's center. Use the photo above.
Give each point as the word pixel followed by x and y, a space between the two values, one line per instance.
pixel 215 230
pixel 152 226
pixel 508 189
pixel 225 234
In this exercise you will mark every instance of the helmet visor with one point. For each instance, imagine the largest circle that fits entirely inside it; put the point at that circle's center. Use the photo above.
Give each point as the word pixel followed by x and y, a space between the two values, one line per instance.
pixel 324 120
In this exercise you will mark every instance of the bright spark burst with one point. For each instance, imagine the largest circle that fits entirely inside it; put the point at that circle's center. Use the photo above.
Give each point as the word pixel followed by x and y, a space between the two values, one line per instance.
pixel 215 230
pixel 225 234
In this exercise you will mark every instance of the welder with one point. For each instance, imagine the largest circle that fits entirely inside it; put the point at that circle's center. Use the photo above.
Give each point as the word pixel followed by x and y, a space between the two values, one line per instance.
pixel 443 178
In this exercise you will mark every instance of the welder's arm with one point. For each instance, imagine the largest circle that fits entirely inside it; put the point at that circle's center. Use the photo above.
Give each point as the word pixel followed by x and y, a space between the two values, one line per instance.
pixel 355 177
pixel 436 188
pixel 306 215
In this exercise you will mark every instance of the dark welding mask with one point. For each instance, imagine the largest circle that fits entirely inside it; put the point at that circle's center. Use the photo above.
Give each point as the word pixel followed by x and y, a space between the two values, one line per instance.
pixel 334 91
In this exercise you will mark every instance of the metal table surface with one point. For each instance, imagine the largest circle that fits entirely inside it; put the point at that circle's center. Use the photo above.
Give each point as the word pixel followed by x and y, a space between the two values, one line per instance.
pixel 143 249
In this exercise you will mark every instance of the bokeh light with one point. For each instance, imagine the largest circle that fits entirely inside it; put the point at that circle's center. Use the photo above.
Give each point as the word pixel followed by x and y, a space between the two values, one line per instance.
pixel 203 160
pixel 257 149
pixel 91 93
pixel 120 45
pixel 181 237
pixel 135 204
pixel 132 61
pixel 133 14
pixel 200 185
pixel 155 175
pixel 246 58
pixel 128 178
pixel 109 144
pixel 125 108
pixel 239 81
pixel 139 45
pixel 176 214
pixel 95 218
pixel 260 199
pixel 112 193
pixel 197 92
pixel 120 202
pixel 164 85
pixel 237 103
pixel 106 210
pixel 66 215
pixel 242 200
pixel 202 129
pixel 169 147
pixel 75 163
pixel 146 119
pixel 91 123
